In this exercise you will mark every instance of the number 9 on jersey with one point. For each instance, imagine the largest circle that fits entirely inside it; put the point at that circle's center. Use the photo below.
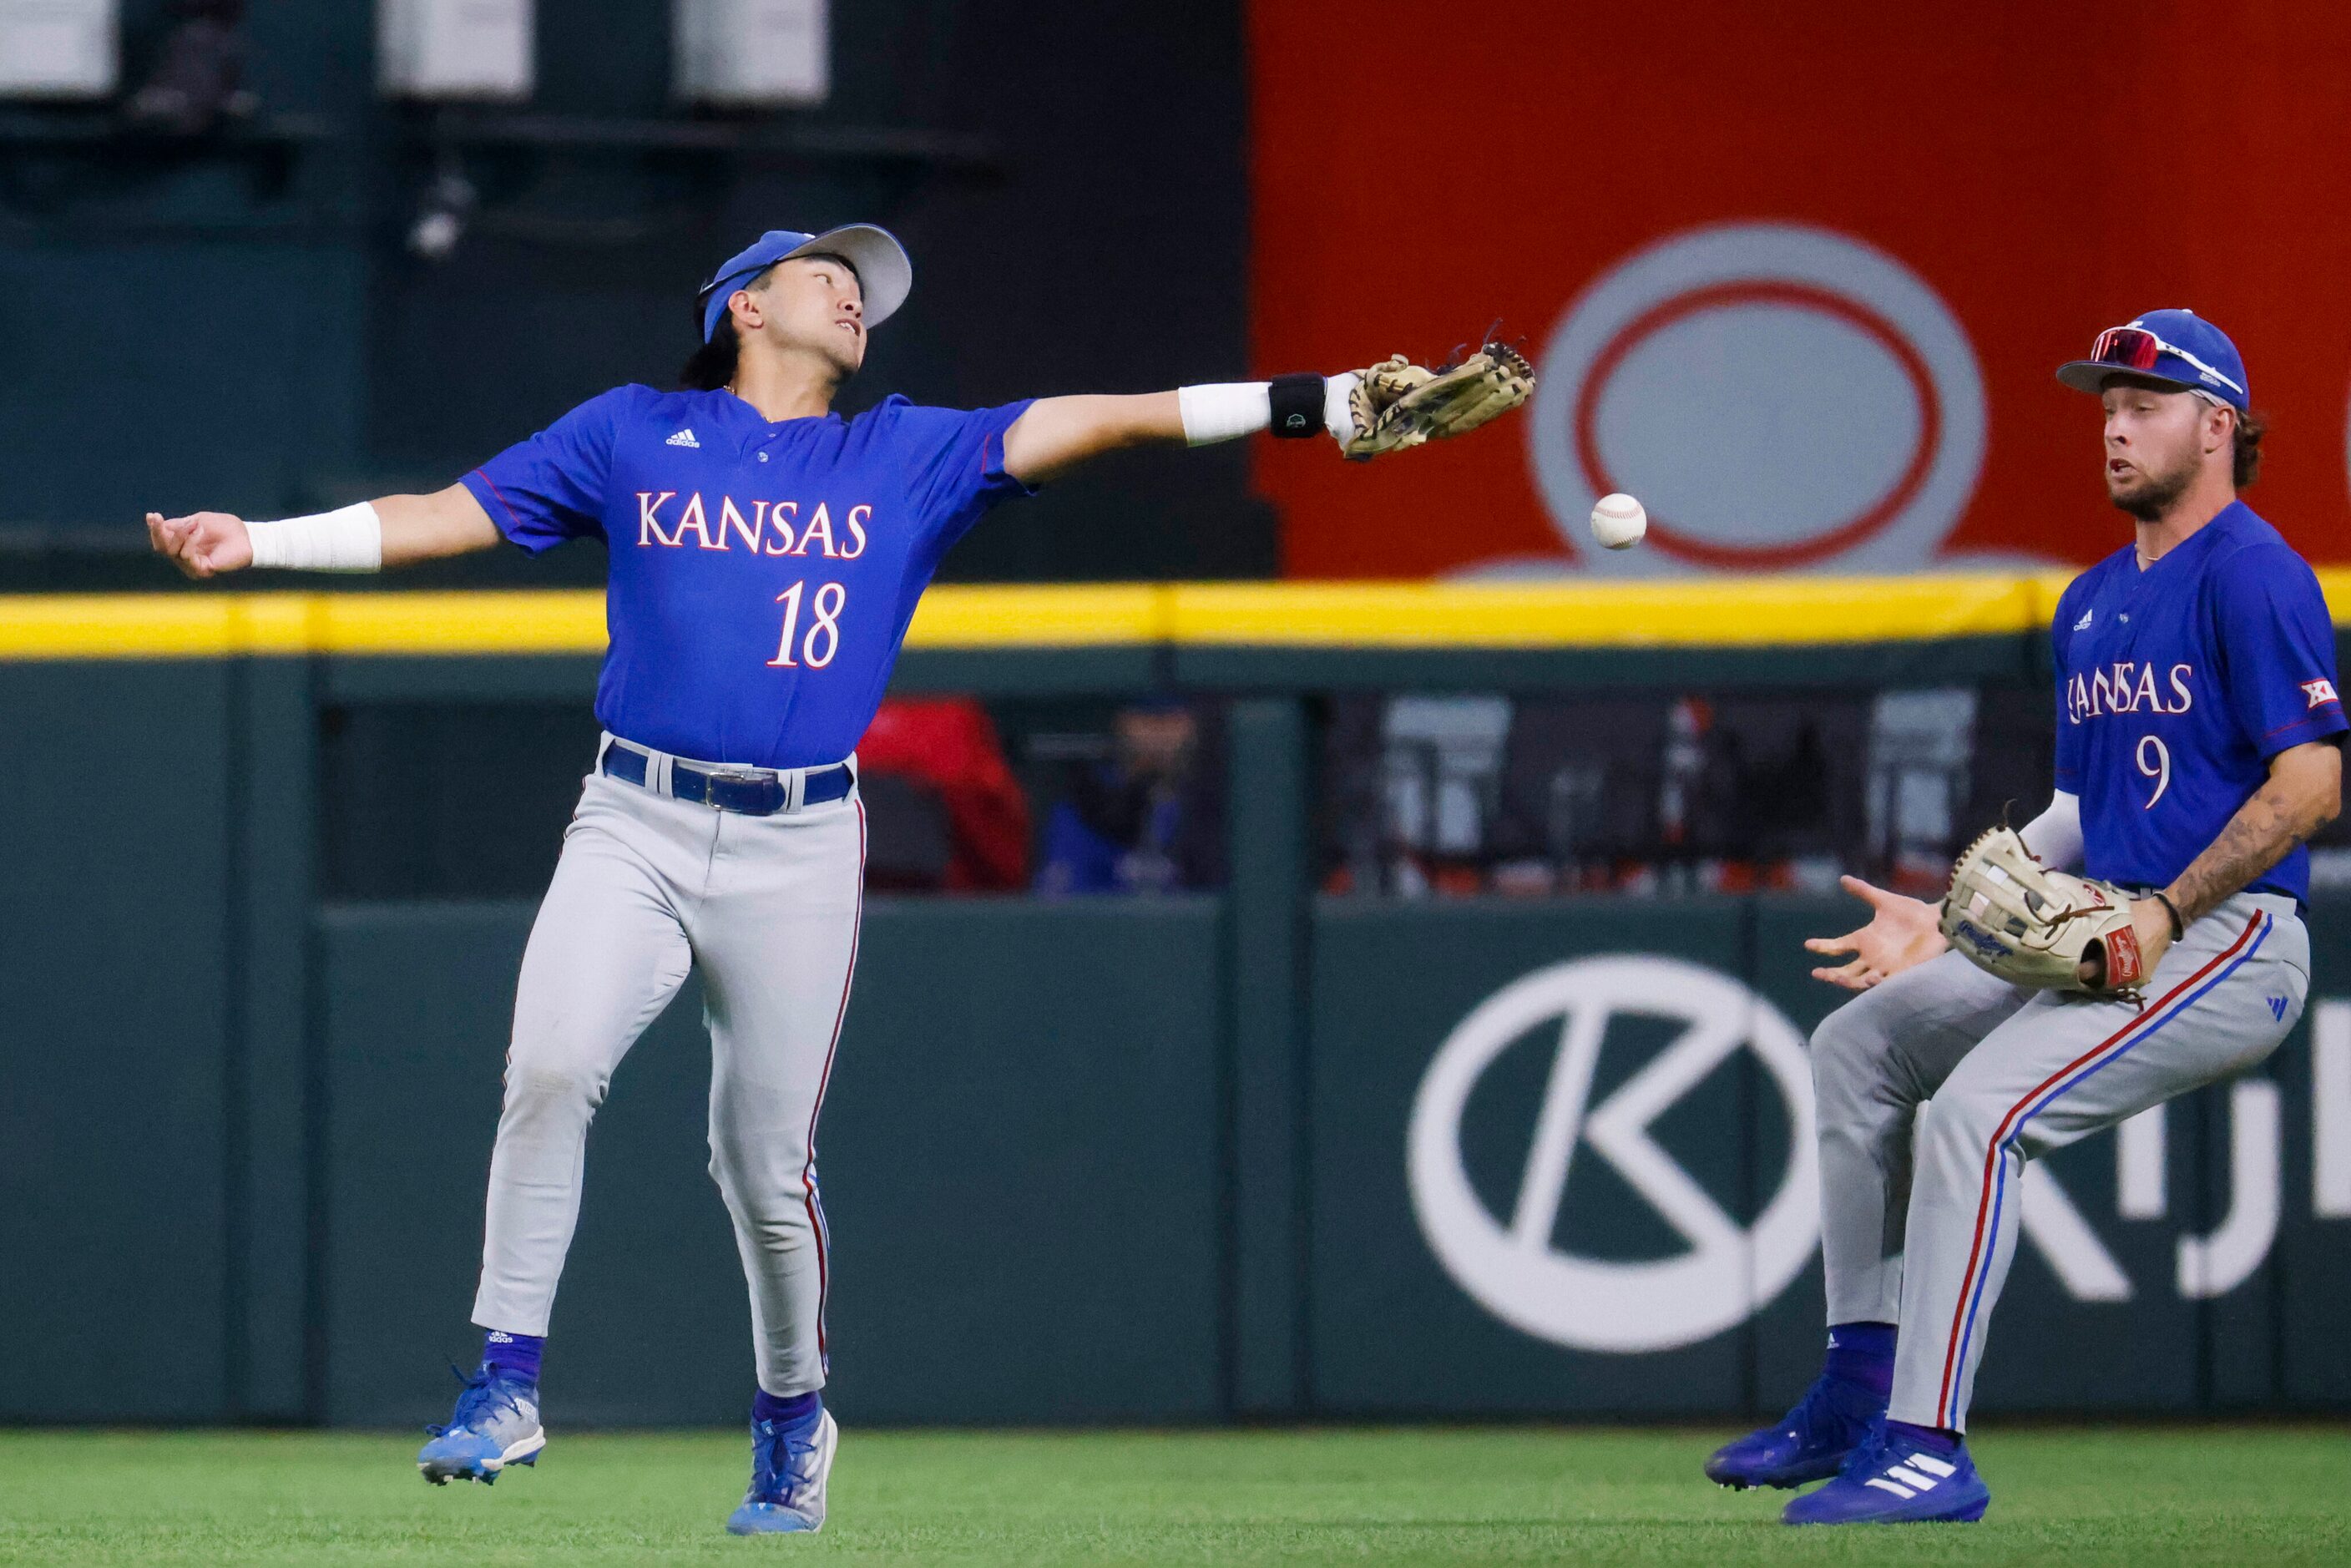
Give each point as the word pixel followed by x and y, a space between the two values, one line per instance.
pixel 2154 762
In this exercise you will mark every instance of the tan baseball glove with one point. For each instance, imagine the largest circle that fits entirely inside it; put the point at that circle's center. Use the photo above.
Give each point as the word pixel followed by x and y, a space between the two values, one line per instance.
pixel 2033 927
pixel 1397 404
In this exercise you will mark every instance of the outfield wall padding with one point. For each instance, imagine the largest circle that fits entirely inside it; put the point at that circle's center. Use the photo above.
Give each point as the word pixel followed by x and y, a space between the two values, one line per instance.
pixel 1084 1162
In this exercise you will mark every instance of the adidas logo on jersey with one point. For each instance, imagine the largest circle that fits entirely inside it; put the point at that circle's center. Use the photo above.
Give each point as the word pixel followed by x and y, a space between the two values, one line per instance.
pixel 684 438
pixel 2084 624
pixel 2277 1008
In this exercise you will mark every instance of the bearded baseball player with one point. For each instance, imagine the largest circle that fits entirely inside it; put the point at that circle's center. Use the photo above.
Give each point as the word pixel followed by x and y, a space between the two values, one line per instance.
pixel 2197 735
pixel 766 556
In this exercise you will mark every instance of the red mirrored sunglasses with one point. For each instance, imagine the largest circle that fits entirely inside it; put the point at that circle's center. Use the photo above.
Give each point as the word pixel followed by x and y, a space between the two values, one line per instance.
pixel 2135 348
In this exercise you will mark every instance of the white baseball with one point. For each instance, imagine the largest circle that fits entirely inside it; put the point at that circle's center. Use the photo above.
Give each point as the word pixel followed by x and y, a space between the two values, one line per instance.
pixel 1619 521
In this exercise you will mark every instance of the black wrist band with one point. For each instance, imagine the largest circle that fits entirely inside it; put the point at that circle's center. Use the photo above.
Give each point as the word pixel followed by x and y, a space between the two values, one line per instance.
pixel 1297 406
pixel 2179 927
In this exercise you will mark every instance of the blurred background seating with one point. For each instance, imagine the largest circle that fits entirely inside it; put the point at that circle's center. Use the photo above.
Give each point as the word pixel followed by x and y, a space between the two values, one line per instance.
pixel 943 811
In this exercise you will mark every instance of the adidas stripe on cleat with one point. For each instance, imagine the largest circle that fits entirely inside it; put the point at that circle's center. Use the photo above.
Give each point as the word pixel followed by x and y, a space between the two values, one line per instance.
pixel 1892 1480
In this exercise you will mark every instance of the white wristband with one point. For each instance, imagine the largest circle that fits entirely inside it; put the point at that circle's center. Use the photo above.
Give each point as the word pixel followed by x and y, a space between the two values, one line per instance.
pixel 1222 411
pixel 349 538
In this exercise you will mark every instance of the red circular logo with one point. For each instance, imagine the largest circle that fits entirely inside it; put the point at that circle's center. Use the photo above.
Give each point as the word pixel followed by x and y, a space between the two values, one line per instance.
pixel 1789 294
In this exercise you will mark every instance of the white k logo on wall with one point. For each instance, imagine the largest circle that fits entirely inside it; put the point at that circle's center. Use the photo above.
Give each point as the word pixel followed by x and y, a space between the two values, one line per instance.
pixel 2220 1260
pixel 1510 1264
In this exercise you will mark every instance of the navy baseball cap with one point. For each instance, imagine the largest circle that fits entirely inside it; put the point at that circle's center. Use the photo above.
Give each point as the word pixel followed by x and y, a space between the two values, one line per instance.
pixel 883 274
pixel 2175 346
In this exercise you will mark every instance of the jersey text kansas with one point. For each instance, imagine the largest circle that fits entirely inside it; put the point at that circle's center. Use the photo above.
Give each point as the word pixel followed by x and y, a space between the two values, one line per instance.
pixel 762 575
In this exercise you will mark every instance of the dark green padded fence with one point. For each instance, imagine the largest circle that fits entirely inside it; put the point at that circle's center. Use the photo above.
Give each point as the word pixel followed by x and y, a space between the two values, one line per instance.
pixel 1140 1161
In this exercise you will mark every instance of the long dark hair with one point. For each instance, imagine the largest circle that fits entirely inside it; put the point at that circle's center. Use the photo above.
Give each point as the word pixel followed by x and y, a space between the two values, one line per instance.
pixel 712 366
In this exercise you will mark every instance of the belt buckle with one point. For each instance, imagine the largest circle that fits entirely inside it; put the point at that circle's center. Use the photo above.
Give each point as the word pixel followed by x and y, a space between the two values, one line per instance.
pixel 735 776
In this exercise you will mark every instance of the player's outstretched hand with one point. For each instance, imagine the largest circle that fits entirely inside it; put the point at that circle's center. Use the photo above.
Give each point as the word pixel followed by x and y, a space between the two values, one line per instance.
pixel 203 544
pixel 1901 932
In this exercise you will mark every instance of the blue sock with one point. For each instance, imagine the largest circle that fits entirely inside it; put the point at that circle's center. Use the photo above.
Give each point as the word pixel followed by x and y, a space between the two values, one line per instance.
pixel 517 1354
pixel 1862 1353
pixel 766 1407
pixel 1934 1439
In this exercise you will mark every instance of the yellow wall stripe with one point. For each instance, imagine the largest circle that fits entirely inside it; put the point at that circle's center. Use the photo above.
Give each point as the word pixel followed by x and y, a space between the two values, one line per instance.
pixel 1703 613
pixel 528 622
pixel 1781 612
pixel 1092 615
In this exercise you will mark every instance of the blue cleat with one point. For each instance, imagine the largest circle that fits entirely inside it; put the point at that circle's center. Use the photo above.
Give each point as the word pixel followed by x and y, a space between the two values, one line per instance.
pixel 1892 1480
pixel 496 1424
pixel 1810 1443
pixel 789 1465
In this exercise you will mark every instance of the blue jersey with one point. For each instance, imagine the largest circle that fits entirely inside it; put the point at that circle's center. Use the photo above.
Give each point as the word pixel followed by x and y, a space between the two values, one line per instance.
pixel 2175 686
pixel 762 575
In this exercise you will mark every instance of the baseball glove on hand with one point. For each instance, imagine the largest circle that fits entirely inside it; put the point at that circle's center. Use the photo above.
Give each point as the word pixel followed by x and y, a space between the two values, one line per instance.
pixel 1397 404
pixel 2034 926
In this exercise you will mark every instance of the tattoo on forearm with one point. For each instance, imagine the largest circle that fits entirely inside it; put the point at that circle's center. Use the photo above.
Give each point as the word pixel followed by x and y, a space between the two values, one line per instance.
pixel 2263 830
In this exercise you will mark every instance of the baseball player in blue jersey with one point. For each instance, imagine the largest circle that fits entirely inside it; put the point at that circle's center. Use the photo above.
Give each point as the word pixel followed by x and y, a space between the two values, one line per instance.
pixel 766 556
pixel 2198 733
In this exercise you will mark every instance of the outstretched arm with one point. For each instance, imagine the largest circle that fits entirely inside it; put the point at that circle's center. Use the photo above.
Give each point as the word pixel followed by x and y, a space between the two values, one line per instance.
pixel 393 531
pixel 1057 433
pixel 1390 406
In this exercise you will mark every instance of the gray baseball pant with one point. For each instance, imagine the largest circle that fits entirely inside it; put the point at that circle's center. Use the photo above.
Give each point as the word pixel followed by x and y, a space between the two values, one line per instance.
pixel 2007 1074
pixel 649 887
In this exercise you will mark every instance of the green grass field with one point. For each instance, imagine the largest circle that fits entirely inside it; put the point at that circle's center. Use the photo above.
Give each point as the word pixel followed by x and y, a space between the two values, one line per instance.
pixel 2205 1497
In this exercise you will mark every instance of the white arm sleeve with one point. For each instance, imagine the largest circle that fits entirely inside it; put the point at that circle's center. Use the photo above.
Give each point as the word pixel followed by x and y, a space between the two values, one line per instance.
pixel 1223 411
pixel 349 539
pixel 2055 835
